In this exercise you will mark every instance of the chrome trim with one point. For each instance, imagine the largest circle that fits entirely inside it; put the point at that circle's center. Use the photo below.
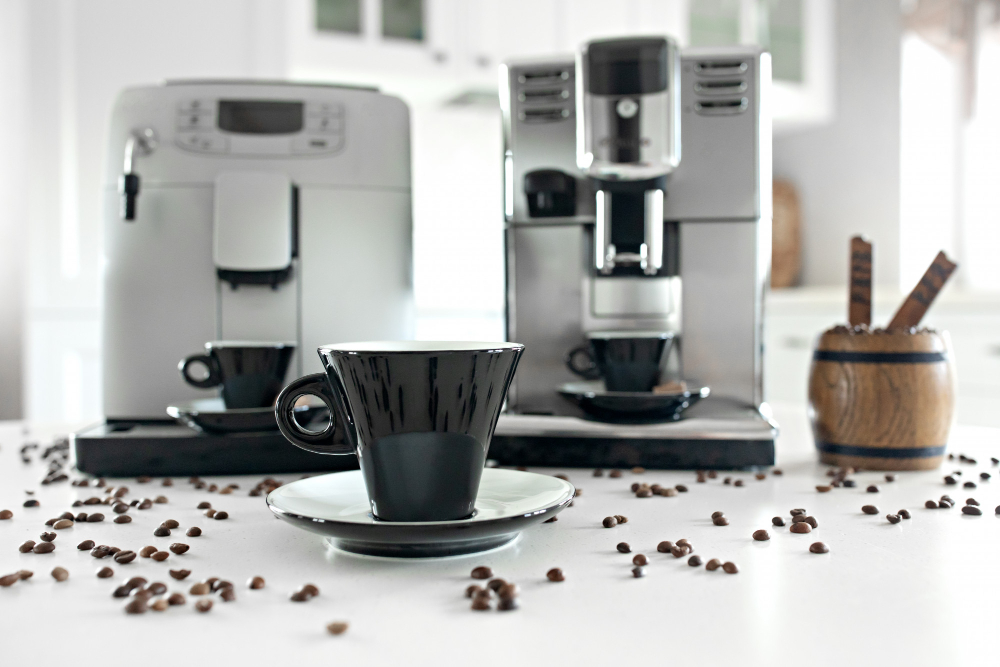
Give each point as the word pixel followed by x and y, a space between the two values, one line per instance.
pixel 652 262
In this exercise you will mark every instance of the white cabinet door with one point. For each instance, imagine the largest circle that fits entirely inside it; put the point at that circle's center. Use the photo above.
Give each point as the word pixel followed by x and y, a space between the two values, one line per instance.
pixel 587 19
pixel 502 29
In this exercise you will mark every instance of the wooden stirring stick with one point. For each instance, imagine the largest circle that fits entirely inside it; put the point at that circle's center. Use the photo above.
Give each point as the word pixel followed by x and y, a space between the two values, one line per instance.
pixel 920 299
pixel 860 309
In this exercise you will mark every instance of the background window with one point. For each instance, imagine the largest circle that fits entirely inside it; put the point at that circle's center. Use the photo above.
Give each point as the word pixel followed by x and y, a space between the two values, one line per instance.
pixel 403 19
pixel 338 16
pixel 779 30
pixel 715 22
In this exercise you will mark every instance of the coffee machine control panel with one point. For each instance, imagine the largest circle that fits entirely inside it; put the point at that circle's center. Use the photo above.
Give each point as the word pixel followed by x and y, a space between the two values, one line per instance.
pixel 260 128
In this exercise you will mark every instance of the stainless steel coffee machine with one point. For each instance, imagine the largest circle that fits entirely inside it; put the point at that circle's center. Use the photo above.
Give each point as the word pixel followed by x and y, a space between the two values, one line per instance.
pixel 637 197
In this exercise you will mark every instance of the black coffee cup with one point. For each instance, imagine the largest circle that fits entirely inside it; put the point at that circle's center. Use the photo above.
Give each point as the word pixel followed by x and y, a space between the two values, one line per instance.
pixel 419 415
pixel 251 374
pixel 627 360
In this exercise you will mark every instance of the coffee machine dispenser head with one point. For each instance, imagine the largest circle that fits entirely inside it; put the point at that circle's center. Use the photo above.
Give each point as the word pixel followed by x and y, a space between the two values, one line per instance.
pixel 630 108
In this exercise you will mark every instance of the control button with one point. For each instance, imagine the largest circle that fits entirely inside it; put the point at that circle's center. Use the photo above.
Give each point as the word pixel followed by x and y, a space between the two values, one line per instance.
pixel 196 105
pixel 195 121
pixel 324 109
pixel 325 124
pixel 202 142
pixel 317 144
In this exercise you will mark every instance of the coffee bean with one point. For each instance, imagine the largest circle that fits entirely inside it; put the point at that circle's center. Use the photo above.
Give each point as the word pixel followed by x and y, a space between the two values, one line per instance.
pixel 121 592
pixel 160 500
pixel 31 502
pixel 80 518
pixel 800 518
pixel 508 590
pixel 47 537
pixel 801 528
pixel 720 521
pixel 160 556
pixel 97 517
pixel 309 589
pixel 818 548
pixel 869 509
pixel 211 583
pixel 508 604
pixel 609 522
pixel 678 552
pixel 228 595
pixel 969 485
pixel 640 559
pixel 180 574
pixel 113 550
pixel 170 523
pixel 105 572
pixel 124 557
pixel 9 580
pixel 623 547
pixel 665 546
pixel 615 474
pixel 337 627
pixel 777 521
pixel 86 545
pixel 201 588
pixel 221 516
pixel 193 531
pixel 797 512
pixel 823 488
pixel 146 552
pixel 738 482
pixel 179 548
pixel 43 548
pixel 713 564
pixel 681 488
pixel 203 605
pixel 931 504
pixel 159 605
pixel 161 531
pixel 119 508
pixel 299 596
pixel 176 599
pixel 730 568
pixel 893 518
pixel 51 522
pixel 60 574
pixel 950 480
pixel 555 574
pixel 903 514
pixel 638 572
pixel 256 583
pixel 971 501
pixel 123 518
pixel 470 590
pixel 100 551
pixel 811 520
pixel 694 561
pixel 482 572
pixel 621 518
pixel 638 470
pixel 209 513
pixel 971 510
pixel 495 584
pixel 157 588
pixel 5 514
pixel 716 514
pixel 481 603
pixel 634 487
pixel 145 504
pixel 644 493
pixel 136 606
pixel 598 473
pixel 669 492
pixel 727 481
pixel 872 488
pixel 62 524
pixel 761 535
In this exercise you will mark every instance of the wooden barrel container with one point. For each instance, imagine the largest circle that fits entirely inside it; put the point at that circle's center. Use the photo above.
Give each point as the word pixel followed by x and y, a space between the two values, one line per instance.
pixel 882 401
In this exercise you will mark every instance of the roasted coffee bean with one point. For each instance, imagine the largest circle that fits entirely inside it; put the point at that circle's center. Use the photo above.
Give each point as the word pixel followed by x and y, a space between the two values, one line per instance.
pixel 760 476
pixel 201 588
pixel 51 522
pixel 801 528
pixel 481 603
pixel 971 510
pixel 96 517
pixel 893 518
pixel 730 568
pixel 47 537
pixel 5 514
pixel 43 548
pixel 738 482
pixel 818 548
pixel 299 596
pixel 623 547
pixel 813 523
pixel 160 556
pixel 950 480
pixel 800 518
pixel 621 518
pixel 121 592
pixel 123 518
pixel 24 575
pixel 470 590
pixel 171 524
pixel 9 580
pixel 508 590
pixel 720 521
pixel 105 572
pixel 694 561
pixel 482 572
pixel 727 481
pixel 180 574
pixel 931 504
pixel 310 589
pixel 634 487
pixel 159 605
pixel 161 531
pixel 508 604
pixel 615 474
pixel 209 513
pixel 157 588
pixel 495 584
pixel 678 552
pixel 890 478
pixel 62 524
pixel 777 521
pixel 145 504
pixel 823 488
pixel 179 548
pixel 124 557
pixel 100 551
pixel 204 505
pixel 203 605
pixel 211 582
pixel 146 552
pixel 337 627
pixel 221 516
pixel 176 599
pixel 640 559
pixel 713 564
pixel 31 502
pixel 638 572
pixel 193 531
pixel 869 509
pixel 136 606
pixel 555 574
pixel 903 514
pixel 761 535
pixel 598 473
pixel 256 583
pixel 610 522
pixel 80 518
pixel 228 595
pixel 669 492
pixel 160 500
pixel 797 512
pixel 681 488
pixel 113 550
pixel 716 514
pixel 971 501
pixel 684 542
pixel 872 488
pixel 969 485
pixel 665 546
pixel 60 574
pixel 644 493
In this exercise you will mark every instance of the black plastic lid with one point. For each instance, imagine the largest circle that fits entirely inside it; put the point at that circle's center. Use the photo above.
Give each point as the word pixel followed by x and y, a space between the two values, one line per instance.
pixel 631 66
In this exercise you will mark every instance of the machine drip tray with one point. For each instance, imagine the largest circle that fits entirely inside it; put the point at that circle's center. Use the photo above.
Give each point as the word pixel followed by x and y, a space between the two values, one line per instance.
pixel 160 448
pixel 715 434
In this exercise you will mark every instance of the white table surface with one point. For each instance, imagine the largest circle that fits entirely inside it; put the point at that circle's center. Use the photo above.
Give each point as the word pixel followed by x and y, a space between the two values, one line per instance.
pixel 923 592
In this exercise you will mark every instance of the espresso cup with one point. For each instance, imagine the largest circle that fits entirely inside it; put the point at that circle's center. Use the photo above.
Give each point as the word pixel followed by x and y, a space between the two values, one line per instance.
pixel 250 374
pixel 419 415
pixel 627 360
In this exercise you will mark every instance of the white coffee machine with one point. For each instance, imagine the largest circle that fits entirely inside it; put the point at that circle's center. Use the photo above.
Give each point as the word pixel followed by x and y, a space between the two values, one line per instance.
pixel 243 210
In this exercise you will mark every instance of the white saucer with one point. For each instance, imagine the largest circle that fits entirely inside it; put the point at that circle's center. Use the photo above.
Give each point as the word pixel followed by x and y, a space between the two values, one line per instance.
pixel 336 505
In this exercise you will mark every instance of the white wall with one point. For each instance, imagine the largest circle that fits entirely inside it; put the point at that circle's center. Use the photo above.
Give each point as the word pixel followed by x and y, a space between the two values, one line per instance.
pixel 847 172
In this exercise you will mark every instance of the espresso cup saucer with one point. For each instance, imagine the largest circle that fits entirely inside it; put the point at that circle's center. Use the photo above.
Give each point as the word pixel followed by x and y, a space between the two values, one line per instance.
pixel 211 415
pixel 628 406
pixel 336 506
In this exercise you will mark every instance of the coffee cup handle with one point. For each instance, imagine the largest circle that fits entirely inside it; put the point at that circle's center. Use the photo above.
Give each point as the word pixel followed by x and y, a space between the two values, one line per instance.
pixel 591 372
pixel 214 378
pixel 318 442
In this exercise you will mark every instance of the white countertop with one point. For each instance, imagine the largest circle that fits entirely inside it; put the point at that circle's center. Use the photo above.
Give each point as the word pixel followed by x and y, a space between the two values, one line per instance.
pixel 918 593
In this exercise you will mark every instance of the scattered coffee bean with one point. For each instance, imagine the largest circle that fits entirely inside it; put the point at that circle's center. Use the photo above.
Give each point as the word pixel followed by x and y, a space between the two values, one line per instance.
pixel 146 552
pixel 121 592
pixel 640 559
pixel 669 492
pixel 761 535
pixel 470 591
pixel 9 580
pixel 730 568
pixel 623 547
pixel 124 557
pixel 638 572
pixel 481 603
pixel 62 524
pixel 203 605
pixel 869 509
pixel 872 488
pixel 201 588
pixel 113 550
pixel 694 561
pixel 51 522
pixel 123 518
pixel 337 627
pixel 176 599
pixel 713 564
pixel 157 588
pixel 950 480
pixel 681 488
pixel 893 518
pixel 136 606
pixel 638 470
pixel 31 502
pixel 482 572
pixel 555 574
pixel 160 500
pixel 644 493
pixel 228 595
pixel 5 514
pixel 256 583
pixel 971 501
pixel 720 521
pixel 727 481
pixel 685 543
pixel 598 473
pixel 971 510
pixel 211 583
pixel 818 548
pixel 179 548
pixel 495 584
pixel 890 478
pixel 824 488
pixel 25 574
pixel 716 514
pixel 621 518
pixel 508 590
pixel 299 596
pixel 969 485
pixel 508 604
pixel 309 589
pixel 678 551
pixel 180 574
pixel 903 514
pixel 813 523
pixel 760 476
pixel 47 537
pixel 161 531
pixel 738 482
pixel 221 516
pixel 634 487
pixel 797 512
pixel 105 572
pixel 160 556
pixel 931 504
pixel 119 508
pixel 193 531
pixel 801 528
pixel 665 546
pixel 159 605
pixel 60 574
pixel 171 524
pixel 96 517
pixel 778 521
pixel 80 518
pixel 204 505
pixel 43 548
pixel 609 522
pixel 145 504
pixel 100 551
pixel 615 474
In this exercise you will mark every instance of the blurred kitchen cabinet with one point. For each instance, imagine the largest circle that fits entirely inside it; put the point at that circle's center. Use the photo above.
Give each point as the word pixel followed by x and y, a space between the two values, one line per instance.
pixel 502 29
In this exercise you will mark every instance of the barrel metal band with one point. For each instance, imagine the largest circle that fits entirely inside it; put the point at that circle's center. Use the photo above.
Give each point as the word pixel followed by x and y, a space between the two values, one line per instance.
pixel 881 452
pixel 880 357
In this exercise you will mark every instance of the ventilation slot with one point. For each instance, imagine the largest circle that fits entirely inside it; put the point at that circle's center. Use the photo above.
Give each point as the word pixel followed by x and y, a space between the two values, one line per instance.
pixel 544 77
pixel 727 87
pixel 720 67
pixel 543 115
pixel 721 107
pixel 541 95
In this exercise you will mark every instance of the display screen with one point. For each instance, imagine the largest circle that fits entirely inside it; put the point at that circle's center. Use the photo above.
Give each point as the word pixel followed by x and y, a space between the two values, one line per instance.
pixel 260 116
